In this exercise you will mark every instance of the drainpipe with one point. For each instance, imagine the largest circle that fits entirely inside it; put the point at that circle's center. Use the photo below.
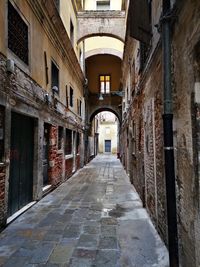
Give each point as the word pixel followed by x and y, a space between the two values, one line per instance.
pixel 168 136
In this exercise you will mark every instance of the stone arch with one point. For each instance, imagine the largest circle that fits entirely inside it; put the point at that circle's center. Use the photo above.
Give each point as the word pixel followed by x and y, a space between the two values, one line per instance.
pixel 111 23
pixel 102 51
pixel 97 110
pixel 80 39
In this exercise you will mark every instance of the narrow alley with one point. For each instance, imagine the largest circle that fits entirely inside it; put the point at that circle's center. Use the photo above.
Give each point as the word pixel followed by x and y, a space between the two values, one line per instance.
pixel 93 219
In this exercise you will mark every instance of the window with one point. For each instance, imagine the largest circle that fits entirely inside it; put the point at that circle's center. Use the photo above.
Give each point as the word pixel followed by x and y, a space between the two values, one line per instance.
pixel 57 4
pixel 68 142
pixel 17 34
pixel 145 48
pixel 133 139
pixel 107 130
pixel 103 5
pixel 72 32
pixel 150 10
pixel 79 107
pixel 67 97
pixel 144 53
pixel 60 137
pixel 54 76
pixel 71 97
pixel 2 114
pixel 104 84
pixel 77 142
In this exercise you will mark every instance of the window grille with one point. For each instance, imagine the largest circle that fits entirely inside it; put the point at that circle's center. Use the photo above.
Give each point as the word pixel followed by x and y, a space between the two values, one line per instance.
pixel 144 53
pixel 17 34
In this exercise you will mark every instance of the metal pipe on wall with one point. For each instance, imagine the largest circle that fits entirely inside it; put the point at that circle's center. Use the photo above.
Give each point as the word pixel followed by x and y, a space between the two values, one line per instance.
pixel 168 136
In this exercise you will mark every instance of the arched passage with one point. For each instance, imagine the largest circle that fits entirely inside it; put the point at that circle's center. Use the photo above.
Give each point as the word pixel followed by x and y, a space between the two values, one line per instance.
pixel 111 23
pixel 99 33
pixel 103 133
pixel 103 51
pixel 100 109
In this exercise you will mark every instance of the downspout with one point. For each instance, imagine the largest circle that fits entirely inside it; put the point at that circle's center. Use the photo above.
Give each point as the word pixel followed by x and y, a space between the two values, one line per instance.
pixel 168 136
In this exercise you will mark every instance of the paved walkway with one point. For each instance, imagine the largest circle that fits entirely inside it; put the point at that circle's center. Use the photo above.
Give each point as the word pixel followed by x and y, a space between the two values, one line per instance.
pixel 95 219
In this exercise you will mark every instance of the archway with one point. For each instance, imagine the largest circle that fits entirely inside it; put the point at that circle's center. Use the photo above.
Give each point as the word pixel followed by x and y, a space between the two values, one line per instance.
pixel 103 134
pixel 101 109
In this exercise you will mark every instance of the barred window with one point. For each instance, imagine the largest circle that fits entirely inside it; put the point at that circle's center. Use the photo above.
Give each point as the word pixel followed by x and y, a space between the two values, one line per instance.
pixel 17 34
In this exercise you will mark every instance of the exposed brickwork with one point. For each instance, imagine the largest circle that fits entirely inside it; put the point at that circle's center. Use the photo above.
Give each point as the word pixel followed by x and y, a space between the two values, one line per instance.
pixel 147 164
pixel 55 158
pixel 186 78
pixel 186 37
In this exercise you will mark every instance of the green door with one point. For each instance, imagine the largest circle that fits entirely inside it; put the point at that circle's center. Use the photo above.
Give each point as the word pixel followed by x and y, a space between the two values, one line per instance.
pixel 21 162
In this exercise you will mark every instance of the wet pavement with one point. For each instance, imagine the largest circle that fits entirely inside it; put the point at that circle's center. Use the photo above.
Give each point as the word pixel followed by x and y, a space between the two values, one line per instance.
pixel 95 219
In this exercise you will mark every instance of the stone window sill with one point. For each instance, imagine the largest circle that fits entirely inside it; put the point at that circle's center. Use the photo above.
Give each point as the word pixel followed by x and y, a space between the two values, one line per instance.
pixel 60 151
pixel 68 156
pixel 47 187
pixel 3 164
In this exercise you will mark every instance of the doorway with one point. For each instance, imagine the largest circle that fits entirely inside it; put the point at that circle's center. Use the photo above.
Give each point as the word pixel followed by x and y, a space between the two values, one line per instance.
pixel 21 162
pixel 107 146
pixel 45 158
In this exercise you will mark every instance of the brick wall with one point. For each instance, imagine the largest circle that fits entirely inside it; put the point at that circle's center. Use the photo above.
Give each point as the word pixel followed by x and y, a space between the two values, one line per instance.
pixel 186 36
pixel 148 162
pixel 55 158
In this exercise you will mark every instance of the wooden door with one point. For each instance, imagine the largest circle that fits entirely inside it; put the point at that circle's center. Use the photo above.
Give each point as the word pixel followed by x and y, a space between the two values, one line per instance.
pixel 21 162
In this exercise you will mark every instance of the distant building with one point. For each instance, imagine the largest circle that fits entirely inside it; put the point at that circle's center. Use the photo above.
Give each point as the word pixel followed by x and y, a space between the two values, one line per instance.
pixel 108 133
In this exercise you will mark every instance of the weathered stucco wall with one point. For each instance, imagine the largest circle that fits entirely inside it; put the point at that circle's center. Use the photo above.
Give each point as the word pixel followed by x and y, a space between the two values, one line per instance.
pixel 145 109
pixel 186 37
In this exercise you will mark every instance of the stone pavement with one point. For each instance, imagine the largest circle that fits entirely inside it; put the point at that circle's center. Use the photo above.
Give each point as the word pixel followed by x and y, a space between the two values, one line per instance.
pixel 95 219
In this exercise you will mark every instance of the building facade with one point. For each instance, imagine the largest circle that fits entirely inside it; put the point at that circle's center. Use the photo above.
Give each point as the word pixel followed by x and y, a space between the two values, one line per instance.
pixel 142 132
pixel 107 133
pixel 62 62
pixel 41 100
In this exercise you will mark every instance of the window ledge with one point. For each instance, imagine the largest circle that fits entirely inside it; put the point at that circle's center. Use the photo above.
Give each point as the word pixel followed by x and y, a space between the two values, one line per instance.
pixel 60 151
pixel 47 187
pixel 3 164
pixel 68 156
